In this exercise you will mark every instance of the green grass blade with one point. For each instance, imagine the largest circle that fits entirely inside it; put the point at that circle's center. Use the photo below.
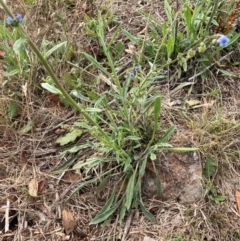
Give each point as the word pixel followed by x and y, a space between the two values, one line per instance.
pixel 64 166
pixel 95 63
pixel 55 48
pixel 147 214
pixel 167 134
pixel 130 190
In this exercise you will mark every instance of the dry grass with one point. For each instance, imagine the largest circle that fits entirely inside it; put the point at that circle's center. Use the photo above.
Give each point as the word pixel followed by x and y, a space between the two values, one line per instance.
pixel 214 127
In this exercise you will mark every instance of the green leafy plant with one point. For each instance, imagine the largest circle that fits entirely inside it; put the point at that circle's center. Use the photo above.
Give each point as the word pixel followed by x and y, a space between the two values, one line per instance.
pixel 125 119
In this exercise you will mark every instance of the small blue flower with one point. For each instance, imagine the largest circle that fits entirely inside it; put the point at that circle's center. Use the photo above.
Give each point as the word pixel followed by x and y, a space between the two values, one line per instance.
pixel 131 75
pixel 19 18
pixel 223 41
pixel 9 20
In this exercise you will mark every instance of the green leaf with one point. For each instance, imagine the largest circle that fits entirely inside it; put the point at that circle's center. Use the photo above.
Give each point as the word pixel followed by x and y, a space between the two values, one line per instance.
pixel 76 149
pixel 119 48
pixel 168 11
pixel 219 198
pixel 51 88
pixel 104 216
pixel 170 46
pixel 55 48
pixel 132 38
pixel 182 149
pixel 188 19
pixel 167 134
pixel 80 96
pixel 108 204
pixel 12 73
pixel 18 45
pixel 209 168
pixel 64 166
pixel 26 128
pixel 95 63
pixel 79 187
pixel 129 190
pixel 69 137
pixel 181 86
pixel 12 109
pixel 147 214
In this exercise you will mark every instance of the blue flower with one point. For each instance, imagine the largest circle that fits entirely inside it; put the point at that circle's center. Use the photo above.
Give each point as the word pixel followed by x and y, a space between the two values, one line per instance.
pixel 132 74
pixel 223 40
pixel 9 20
pixel 19 18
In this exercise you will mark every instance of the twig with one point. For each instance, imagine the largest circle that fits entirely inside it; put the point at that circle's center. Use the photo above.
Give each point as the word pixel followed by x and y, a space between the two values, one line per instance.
pixel 127 226
pixel 207 68
pixel 7 216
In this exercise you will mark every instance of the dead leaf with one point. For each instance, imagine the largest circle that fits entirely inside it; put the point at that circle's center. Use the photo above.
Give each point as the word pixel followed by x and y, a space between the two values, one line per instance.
pixel 131 49
pixel 73 177
pixel 238 200
pixel 68 221
pixel 33 187
pixel 41 185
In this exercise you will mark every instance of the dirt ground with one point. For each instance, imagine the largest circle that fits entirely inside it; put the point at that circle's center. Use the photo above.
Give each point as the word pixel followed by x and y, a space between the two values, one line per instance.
pixel 214 128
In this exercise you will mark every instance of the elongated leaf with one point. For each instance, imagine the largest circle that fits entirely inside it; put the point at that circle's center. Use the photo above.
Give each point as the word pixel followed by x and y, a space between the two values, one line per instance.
pixel 12 110
pixel 168 11
pixel 55 48
pixel 64 166
pixel 167 134
pixel 188 19
pixel 129 190
pixel 51 88
pixel 181 149
pixel 69 137
pixel 181 86
pixel 105 215
pixel 80 96
pixel 132 38
pixel 79 187
pixel 76 149
pixel 108 204
pixel 147 214
pixel 209 168
pixel 95 63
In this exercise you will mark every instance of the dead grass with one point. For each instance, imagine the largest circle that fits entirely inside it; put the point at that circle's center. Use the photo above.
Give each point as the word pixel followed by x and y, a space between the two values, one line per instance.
pixel 214 127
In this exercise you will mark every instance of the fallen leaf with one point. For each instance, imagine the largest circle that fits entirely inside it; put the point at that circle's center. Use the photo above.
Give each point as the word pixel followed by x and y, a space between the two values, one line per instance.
pixel 68 221
pixel 238 200
pixel 71 178
pixel 131 49
pixel 33 187
pixel 41 185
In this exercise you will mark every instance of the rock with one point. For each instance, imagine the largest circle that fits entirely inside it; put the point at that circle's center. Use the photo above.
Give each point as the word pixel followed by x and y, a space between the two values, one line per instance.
pixel 180 174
